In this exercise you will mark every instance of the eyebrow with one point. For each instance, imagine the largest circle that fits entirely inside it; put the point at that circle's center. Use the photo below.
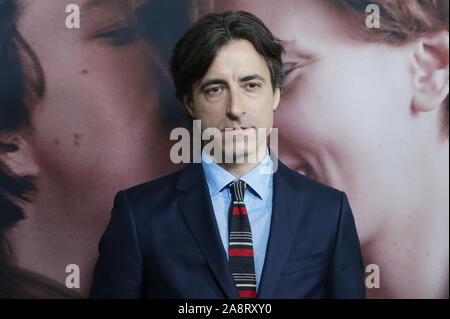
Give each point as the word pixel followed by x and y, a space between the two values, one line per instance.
pixel 223 82
pixel 252 77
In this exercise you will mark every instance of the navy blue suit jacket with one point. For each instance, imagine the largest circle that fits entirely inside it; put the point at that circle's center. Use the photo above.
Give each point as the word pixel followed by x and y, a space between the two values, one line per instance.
pixel 162 242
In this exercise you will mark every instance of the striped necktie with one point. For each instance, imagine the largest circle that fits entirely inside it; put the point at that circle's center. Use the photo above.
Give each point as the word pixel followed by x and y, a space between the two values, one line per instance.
pixel 240 250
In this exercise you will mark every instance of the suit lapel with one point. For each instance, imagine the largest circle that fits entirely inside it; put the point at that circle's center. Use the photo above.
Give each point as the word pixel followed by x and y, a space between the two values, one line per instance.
pixel 196 208
pixel 288 207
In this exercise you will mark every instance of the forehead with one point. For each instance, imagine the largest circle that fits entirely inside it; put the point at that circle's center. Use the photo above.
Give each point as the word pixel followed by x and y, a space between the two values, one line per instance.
pixel 51 11
pixel 236 59
pixel 314 23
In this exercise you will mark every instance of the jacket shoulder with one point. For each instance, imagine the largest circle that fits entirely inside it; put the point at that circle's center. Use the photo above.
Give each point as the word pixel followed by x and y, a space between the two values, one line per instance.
pixel 322 203
pixel 308 183
pixel 154 188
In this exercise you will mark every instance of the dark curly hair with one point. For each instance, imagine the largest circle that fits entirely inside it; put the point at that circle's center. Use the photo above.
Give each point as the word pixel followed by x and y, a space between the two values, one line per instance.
pixel 21 84
pixel 195 51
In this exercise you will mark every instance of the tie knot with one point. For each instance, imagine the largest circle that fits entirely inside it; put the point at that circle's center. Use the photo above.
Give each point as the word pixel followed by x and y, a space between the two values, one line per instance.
pixel 237 190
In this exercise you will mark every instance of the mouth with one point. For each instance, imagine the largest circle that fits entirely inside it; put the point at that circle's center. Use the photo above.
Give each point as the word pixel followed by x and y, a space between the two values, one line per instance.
pixel 237 130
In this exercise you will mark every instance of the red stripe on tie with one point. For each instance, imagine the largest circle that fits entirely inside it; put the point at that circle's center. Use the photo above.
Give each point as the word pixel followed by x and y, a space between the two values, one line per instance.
pixel 239 210
pixel 247 293
pixel 240 252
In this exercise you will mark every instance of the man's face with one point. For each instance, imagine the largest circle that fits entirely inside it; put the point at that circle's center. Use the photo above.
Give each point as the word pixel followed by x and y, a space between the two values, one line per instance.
pixel 97 129
pixel 236 93
pixel 344 99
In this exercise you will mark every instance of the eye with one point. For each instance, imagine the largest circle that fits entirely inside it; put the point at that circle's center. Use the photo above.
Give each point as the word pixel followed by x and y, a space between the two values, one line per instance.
pixel 288 68
pixel 120 36
pixel 293 71
pixel 286 72
pixel 214 91
pixel 253 86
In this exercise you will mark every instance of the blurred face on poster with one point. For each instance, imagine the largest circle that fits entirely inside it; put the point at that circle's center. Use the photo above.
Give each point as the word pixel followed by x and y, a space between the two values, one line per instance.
pixel 95 130
pixel 369 117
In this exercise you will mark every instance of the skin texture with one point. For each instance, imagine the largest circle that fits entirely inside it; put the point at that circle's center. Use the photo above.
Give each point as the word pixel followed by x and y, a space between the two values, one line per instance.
pixel 367 118
pixel 96 131
pixel 236 91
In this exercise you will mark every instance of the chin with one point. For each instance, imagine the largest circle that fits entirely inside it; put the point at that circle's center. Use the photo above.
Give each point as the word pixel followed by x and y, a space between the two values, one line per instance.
pixel 239 154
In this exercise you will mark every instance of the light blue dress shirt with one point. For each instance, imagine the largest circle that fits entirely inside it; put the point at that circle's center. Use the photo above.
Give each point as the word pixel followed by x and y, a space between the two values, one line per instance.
pixel 257 199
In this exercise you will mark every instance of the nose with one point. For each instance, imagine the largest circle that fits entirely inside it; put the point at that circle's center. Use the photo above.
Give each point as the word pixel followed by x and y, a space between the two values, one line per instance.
pixel 235 107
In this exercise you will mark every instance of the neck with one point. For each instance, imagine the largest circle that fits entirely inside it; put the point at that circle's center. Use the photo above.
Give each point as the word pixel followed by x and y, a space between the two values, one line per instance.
pixel 408 181
pixel 240 169
pixel 401 208
pixel 59 230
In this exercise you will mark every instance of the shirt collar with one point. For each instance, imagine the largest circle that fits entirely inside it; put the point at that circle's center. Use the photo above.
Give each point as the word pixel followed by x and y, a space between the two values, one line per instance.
pixel 217 177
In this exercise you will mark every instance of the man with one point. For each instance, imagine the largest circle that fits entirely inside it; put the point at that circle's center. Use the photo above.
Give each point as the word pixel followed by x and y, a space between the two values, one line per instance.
pixel 230 230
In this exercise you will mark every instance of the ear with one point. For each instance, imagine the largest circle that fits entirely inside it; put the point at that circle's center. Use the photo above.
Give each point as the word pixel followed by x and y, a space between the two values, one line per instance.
pixel 276 98
pixel 431 71
pixel 189 104
pixel 17 155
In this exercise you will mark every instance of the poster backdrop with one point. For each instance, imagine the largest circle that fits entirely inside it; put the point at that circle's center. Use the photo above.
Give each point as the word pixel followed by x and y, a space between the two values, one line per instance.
pixel 87 107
